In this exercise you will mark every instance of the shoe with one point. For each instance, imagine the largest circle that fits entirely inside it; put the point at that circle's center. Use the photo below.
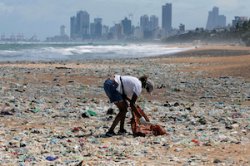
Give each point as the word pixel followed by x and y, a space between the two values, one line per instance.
pixel 110 134
pixel 122 132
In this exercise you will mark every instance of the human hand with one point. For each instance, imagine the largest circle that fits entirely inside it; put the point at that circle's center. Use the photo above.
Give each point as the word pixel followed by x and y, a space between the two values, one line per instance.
pixel 133 100
pixel 132 103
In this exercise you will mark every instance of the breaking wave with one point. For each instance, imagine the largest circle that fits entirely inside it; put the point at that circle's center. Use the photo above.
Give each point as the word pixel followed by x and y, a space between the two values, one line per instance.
pixel 61 52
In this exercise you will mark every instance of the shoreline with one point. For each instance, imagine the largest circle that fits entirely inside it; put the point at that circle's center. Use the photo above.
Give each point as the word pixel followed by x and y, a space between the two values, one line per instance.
pixel 228 59
pixel 193 50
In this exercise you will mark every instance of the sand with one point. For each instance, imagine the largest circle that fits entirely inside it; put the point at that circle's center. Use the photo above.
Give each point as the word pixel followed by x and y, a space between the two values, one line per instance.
pixel 208 64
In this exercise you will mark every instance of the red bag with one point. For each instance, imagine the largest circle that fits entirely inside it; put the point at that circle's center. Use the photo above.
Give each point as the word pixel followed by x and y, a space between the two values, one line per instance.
pixel 144 129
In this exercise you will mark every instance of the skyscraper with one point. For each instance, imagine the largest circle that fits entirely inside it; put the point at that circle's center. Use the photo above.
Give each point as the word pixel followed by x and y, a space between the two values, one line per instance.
pixel 149 25
pixel 98 27
pixel 73 32
pixel 144 26
pixel 167 18
pixel 126 26
pixel 215 20
pixel 144 23
pixel 82 23
pixel 153 23
pixel 79 25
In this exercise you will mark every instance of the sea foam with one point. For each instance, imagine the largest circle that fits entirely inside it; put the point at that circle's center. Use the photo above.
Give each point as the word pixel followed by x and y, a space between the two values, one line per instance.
pixel 48 52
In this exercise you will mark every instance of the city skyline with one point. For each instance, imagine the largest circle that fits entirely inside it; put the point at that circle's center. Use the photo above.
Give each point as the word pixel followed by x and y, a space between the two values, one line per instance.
pixel 44 17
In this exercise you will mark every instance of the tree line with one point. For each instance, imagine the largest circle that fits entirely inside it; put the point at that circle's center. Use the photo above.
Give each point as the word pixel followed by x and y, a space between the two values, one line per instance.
pixel 238 34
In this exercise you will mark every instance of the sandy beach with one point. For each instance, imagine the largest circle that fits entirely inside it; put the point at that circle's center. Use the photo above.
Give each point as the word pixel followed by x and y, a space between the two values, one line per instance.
pixel 201 97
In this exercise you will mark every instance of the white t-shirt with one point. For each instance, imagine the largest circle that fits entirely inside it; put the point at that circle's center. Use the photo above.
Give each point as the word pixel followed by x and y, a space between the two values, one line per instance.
pixel 131 85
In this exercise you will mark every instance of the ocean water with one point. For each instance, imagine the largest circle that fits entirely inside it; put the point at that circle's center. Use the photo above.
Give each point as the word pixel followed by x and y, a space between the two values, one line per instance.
pixel 80 51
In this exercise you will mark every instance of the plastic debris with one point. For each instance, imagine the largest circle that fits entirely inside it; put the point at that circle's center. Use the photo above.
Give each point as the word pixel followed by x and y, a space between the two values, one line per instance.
pixel 44 126
pixel 51 158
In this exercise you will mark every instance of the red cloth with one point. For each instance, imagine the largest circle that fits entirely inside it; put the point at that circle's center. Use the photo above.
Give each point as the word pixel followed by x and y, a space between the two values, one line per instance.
pixel 144 129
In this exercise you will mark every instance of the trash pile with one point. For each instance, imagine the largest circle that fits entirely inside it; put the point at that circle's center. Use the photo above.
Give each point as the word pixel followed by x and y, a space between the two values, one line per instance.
pixel 57 116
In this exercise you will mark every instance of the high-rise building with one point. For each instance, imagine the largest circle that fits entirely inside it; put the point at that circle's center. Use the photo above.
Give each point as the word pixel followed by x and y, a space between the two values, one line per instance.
pixel 73 32
pixel 92 29
pixel 82 19
pixel 149 23
pixel 215 20
pixel 149 26
pixel 167 18
pixel 116 31
pixel 79 25
pixel 153 23
pixel 126 26
pixel 105 30
pixel 97 25
pixel 144 23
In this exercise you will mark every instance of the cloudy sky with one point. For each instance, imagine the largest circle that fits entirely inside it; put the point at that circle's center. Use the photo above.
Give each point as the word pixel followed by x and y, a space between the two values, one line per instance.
pixel 44 17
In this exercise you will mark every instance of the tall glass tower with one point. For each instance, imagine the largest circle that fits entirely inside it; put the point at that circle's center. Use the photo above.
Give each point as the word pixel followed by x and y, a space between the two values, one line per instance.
pixel 167 17
pixel 215 20
pixel 79 25
pixel 82 21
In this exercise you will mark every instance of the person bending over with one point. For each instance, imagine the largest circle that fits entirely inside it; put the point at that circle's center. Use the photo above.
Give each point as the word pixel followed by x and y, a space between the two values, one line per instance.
pixel 121 89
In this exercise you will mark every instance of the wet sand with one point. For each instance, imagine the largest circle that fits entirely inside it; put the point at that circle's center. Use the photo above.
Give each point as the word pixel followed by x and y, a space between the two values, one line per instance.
pixel 197 80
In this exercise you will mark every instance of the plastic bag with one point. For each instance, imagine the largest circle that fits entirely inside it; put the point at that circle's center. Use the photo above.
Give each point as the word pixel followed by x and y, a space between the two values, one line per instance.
pixel 144 129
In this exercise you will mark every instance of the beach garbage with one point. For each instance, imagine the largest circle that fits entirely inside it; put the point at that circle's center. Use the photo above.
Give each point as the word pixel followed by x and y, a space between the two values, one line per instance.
pixel 157 130
pixel 76 129
pixel 51 158
pixel 195 141
pixel 5 113
pixel 7 110
pixel 110 111
pixel 143 129
pixel 27 138
pixel 35 110
pixel 89 113
pixel 85 115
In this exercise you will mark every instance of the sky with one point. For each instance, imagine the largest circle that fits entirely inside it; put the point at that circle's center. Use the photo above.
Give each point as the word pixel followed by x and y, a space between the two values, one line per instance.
pixel 44 17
